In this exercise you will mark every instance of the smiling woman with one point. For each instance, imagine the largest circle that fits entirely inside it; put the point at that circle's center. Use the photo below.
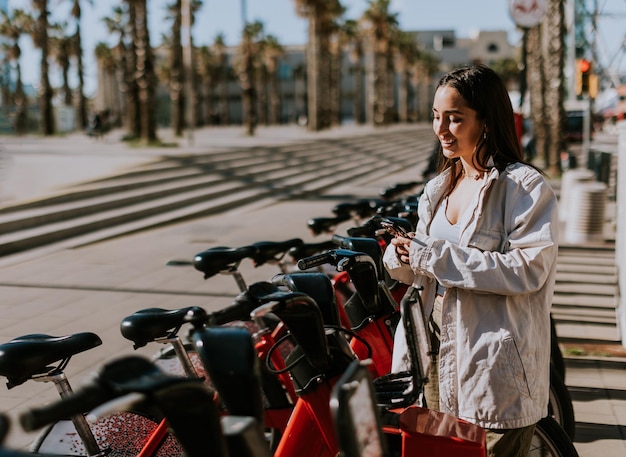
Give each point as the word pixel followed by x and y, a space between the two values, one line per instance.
pixel 484 254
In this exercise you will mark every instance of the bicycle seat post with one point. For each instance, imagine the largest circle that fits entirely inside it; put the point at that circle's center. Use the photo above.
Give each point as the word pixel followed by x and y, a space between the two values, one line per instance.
pixel 241 283
pixel 181 354
pixel 62 385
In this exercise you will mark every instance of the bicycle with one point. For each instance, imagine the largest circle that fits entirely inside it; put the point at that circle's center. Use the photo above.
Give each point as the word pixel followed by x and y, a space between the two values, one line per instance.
pixel 359 310
pixel 43 358
pixel 186 404
pixel 259 293
pixel 203 258
pixel 560 404
pixel 319 358
pixel 311 406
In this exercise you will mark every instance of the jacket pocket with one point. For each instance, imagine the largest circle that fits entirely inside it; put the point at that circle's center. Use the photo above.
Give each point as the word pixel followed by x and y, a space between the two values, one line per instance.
pixel 515 365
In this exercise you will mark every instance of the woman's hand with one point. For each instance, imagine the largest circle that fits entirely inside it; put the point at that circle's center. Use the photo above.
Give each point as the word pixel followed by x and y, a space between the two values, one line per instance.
pixel 402 246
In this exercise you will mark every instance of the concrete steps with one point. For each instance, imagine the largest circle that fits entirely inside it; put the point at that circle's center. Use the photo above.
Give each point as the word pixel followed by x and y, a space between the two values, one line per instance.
pixel 585 295
pixel 176 188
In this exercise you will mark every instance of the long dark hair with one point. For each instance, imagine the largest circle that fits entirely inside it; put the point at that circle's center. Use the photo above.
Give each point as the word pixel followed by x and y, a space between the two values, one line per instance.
pixel 484 92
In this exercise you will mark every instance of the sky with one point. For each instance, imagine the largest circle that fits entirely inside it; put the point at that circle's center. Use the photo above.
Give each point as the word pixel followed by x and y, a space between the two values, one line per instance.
pixel 465 17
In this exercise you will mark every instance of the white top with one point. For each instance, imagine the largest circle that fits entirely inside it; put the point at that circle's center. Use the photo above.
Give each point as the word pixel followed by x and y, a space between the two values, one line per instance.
pixel 442 229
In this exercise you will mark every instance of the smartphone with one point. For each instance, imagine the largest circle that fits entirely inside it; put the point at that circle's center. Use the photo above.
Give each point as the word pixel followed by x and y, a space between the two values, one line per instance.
pixel 394 228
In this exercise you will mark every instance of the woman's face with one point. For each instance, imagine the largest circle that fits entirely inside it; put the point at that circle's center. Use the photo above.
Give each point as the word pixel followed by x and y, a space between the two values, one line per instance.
pixel 456 125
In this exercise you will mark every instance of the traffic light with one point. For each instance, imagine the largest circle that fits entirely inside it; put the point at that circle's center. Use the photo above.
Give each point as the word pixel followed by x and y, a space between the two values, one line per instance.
pixel 583 74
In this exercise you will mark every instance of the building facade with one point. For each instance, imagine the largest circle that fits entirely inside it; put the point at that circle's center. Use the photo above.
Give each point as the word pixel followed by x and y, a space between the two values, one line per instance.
pixel 221 104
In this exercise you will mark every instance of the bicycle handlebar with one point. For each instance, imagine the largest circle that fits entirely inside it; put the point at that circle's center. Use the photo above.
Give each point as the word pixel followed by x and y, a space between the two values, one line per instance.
pixel 115 379
pixel 244 304
pixel 84 400
pixel 315 260
pixel 342 259
pixel 239 311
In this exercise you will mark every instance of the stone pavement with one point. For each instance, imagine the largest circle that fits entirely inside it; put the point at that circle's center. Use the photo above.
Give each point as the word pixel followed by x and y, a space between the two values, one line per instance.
pixel 94 287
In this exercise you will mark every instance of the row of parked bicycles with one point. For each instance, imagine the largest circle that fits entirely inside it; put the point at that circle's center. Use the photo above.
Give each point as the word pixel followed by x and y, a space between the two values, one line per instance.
pixel 298 365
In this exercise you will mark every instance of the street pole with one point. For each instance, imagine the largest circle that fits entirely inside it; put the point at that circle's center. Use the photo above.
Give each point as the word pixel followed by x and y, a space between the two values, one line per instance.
pixel 570 64
pixel 586 126
pixel 244 13
pixel 187 44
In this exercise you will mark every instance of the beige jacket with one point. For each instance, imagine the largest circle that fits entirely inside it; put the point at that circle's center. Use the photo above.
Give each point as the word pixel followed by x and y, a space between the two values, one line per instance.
pixel 495 337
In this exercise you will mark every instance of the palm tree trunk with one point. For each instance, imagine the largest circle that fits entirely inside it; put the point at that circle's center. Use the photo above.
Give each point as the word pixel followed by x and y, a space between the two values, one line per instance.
pixel 326 80
pixel 80 70
pixel 132 88
pixel 536 84
pixel 313 67
pixel 554 23
pixel 380 88
pixel 389 86
pixel 45 89
pixel 261 84
pixel 358 113
pixel 545 65
pixel 335 88
pixel 145 74
pixel 176 76
pixel 403 96
pixel 66 90
pixel 274 99
pixel 223 101
pixel 248 98
pixel 120 77
pixel 20 102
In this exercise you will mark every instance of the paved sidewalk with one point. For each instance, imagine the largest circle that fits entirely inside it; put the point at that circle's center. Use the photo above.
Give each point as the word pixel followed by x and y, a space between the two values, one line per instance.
pixel 92 288
pixel 32 167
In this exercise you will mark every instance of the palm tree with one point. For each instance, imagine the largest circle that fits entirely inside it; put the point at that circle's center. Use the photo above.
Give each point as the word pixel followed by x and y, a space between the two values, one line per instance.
pixel 421 77
pixel 354 42
pixel 545 63
pixel 13 27
pixel 176 70
pixel 380 25
pixel 336 44
pixel 80 70
pixel 222 76
pixel 118 24
pixel 41 41
pixel 61 48
pixel 207 71
pixel 246 69
pixel 555 25
pixel 272 51
pixel 319 14
pixel 407 53
pixel 133 104
pixel 536 84
pixel 145 77
pixel 108 82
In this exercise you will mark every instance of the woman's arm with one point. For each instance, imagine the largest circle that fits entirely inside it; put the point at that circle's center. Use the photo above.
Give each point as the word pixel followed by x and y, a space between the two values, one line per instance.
pixel 523 264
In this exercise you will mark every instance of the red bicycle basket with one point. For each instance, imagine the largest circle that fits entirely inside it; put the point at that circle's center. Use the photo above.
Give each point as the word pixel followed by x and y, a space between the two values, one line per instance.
pixel 436 434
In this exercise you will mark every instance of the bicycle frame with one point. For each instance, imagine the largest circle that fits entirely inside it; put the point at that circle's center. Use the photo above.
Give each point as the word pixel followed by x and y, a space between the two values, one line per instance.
pixel 310 430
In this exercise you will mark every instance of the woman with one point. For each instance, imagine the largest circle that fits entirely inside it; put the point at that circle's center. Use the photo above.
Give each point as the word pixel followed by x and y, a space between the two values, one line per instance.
pixel 484 252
